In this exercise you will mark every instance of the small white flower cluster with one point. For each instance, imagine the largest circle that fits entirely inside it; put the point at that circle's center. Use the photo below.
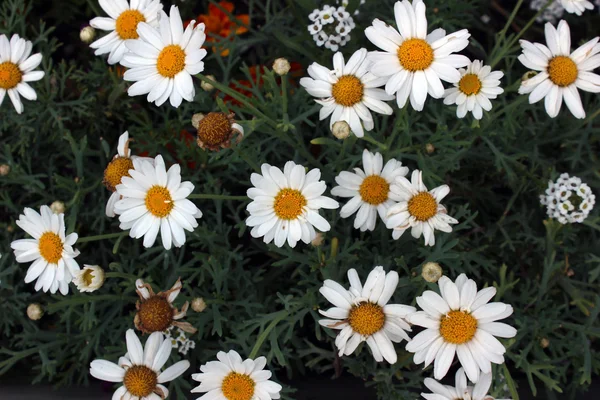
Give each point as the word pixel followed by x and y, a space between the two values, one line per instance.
pixel 551 14
pixel 345 3
pixel 568 200
pixel 180 341
pixel 331 27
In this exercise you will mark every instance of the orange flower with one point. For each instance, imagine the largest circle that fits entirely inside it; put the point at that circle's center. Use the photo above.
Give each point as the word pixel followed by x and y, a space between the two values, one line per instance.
pixel 220 27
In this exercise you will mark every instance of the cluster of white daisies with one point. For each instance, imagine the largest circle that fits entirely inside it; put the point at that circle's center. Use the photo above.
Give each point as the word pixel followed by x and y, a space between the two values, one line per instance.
pixel 459 321
pixel 413 63
pixel 331 27
pixel 285 204
pixel 568 200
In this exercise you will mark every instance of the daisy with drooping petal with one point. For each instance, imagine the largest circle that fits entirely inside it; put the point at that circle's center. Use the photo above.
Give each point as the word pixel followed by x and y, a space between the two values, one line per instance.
pixel 52 252
pixel 461 322
pixel 140 368
pixel 155 312
pixel 285 204
pixel 418 209
pixel 461 391
pixel 348 92
pixel 163 60
pixel 413 61
pixel 154 199
pixel 477 86
pixel 123 19
pixel 232 378
pixel 576 6
pixel 362 314
pixel 369 189
pixel 16 69
pixel 89 279
pixel 562 72
pixel 119 167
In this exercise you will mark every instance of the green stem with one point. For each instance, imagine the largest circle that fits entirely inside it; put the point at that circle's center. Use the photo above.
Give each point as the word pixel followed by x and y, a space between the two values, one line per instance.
pixel 102 237
pixel 284 99
pixel 217 197
pixel 371 140
pixel 263 336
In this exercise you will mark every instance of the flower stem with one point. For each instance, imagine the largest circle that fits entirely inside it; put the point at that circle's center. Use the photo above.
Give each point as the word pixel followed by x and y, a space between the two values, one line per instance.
pixel 263 336
pixel 371 140
pixel 217 197
pixel 102 237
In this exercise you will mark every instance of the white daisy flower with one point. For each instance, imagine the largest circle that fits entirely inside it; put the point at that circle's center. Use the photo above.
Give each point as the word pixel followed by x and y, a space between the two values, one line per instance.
pixel 89 279
pixel 140 368
pixel 369 189
pixel 418 209
pixel 477 85
pixel 362 314
pixel 154 199
pixel 413 61
pixel 122 22
pixel 285 204
pixel 52 252
pixel 348 92
pixel 561 72
pixel 16 69
pixel 576 6
pixel 461 391
pixel 234 378
pixel 163 60
pixel 462 322
pixel 119 167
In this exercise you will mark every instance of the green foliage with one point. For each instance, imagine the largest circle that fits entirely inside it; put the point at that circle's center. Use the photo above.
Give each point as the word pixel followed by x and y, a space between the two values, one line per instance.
pixel 58 148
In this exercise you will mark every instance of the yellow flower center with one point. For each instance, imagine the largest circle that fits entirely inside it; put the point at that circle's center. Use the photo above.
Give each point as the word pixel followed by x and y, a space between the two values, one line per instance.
pixel 51 247
pixel 348 90
pixel 87 277
pixel 289 203
pixel 155 314
pixel 562 71
pixel 237 386
pixel 10 75
pixel 214 128
pixel 422 206
pixel 415 55
pixel 469 84
pixel 127 24
pixel 140 380
pixel 458 327
pixel 159 201
pixel 366 318
pixel 115 170
pixel 171 61
pixel 374 190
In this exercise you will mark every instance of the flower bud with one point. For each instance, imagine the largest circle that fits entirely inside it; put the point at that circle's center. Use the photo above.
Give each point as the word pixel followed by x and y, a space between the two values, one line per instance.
pixel 341 130
pixel 429 148
pixel 544 342
pixel 431 272
pixel 198 304
pixel 87 34
pixel 196 118
pixel 4 169
pixel 57 207
pixel 207 87
pixel 281 66
pixel 89 279
pixel 34 311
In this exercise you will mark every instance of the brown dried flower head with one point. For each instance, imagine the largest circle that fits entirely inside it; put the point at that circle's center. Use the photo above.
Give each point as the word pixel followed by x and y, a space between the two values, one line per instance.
pixel 217 130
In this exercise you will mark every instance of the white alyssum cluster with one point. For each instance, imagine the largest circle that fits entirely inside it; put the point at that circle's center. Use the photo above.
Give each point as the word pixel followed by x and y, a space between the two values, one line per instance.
pixel 568 200
pixel 331 26
pixel 551 14
pixel 179 340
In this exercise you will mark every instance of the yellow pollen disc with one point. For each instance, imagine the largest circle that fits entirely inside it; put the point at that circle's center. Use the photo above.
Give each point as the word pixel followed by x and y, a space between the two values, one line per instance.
pixel 126 25
pixel 374 190
pixel 562 70
pixel 159 201
pixel 51 247
pixel 237 386
pixel 171 61
pixel 214 128
pixel 88 277
pixel 422 206
pixel 10 75
pixel 115 170
pixel 156 314
pixel 289 203
pixel 366 318
pixel 458 327
pixel 348 90
pixel 140 380
pixel 469 84
pixel 415 55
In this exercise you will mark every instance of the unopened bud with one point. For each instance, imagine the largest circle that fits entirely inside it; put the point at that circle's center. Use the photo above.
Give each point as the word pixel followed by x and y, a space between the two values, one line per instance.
pixel 429 148
pixel 198 304
pixel 34 311
pixel 207 86
pixel 4 169
pixel 281 66
pixel 87 34
pixel 341 130
pixel 57 207
pixel 431 272
pixel 544 342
